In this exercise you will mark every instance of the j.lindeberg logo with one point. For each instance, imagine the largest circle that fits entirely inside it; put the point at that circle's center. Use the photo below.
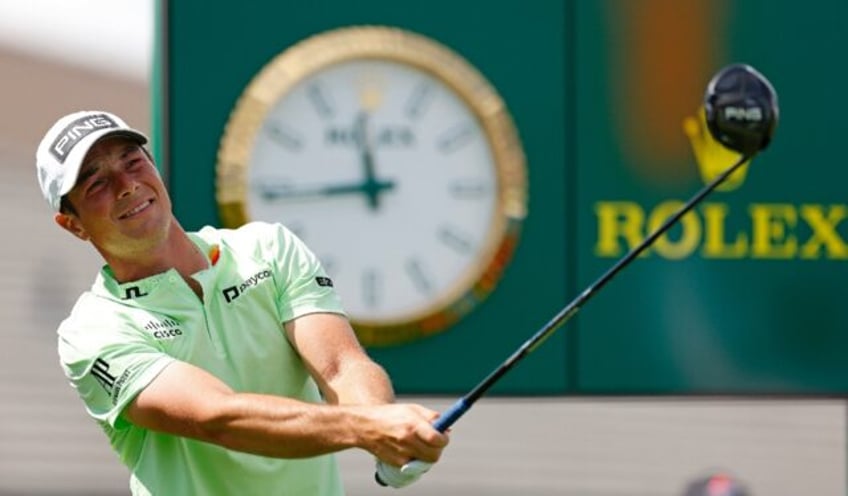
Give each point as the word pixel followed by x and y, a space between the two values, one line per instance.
pixel 164 329
pixel 133 292
pixel 74 132
pixel 234 292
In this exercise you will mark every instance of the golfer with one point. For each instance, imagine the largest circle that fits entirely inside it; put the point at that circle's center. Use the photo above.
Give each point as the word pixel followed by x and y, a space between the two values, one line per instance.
pixel 217 362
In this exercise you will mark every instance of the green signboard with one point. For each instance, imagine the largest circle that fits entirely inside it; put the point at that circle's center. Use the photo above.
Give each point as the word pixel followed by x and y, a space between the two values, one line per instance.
pixel 743 296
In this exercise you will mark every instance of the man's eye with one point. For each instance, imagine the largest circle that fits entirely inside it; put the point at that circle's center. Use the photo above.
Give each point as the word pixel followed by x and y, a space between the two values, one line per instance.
pixel 96 184
pixel 135 162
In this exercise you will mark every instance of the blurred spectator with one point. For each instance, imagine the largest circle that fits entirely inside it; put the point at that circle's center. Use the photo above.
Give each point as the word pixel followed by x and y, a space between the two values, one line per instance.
pixel 718 484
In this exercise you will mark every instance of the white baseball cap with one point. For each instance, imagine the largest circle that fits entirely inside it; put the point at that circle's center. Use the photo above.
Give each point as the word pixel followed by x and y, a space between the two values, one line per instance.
pixel 64 146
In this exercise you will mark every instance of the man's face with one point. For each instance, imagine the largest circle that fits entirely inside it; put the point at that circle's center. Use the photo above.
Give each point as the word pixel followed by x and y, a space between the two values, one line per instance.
pixel 120 201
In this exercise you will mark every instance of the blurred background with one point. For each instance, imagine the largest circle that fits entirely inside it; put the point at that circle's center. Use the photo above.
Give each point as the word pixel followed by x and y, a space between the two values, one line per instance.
pixel 719 352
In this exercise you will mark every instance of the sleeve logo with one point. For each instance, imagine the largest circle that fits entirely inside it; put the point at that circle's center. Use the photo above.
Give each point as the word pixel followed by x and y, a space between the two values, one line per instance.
pixel 100 371
pixel 324 281
pixel 111 384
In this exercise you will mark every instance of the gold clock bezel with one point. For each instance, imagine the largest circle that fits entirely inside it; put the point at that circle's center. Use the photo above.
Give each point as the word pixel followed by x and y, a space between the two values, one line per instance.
pixel 282 73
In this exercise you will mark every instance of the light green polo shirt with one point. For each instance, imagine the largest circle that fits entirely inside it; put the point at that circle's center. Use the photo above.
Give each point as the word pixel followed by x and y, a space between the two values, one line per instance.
pixel 118 337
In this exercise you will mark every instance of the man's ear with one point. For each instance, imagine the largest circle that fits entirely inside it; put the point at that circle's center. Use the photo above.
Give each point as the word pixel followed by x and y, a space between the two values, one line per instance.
pixel 71 224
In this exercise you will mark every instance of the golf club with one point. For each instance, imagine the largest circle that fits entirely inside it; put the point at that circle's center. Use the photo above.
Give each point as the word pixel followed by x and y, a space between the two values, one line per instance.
pixel 741 112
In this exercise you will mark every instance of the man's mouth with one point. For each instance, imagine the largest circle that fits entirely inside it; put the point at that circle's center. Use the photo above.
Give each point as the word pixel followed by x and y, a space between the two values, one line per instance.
pixel 135 211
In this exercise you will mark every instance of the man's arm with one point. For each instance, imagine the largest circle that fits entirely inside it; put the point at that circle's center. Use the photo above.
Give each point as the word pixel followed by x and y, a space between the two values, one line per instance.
pixel 185 400
pixel 331 351
pixel 347 376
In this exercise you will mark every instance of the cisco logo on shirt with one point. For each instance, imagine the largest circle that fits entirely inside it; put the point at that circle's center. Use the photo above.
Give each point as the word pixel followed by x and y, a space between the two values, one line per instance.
pixel 164 329
pixel 234 292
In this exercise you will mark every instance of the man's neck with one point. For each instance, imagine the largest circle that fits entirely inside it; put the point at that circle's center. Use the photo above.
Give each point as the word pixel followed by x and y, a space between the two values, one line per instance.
pixel 176 251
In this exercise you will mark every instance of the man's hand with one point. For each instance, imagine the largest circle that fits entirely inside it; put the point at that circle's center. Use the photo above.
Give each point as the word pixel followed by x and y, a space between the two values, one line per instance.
pixel 397 477
pixel 399 432
pixel 408 446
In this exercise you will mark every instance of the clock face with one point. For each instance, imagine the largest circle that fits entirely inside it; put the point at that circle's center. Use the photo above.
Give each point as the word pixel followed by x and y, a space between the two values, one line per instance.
pixel 402 182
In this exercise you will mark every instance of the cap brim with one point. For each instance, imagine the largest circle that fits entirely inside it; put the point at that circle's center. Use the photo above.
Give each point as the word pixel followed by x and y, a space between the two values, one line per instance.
pixel 76 157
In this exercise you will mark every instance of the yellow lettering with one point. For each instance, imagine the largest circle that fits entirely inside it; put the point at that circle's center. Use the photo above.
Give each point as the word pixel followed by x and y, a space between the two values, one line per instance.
pixel 769 237
pixel 690 231
pixel 618 220
pixel 824 231
pixel 774 231
pixel 714 235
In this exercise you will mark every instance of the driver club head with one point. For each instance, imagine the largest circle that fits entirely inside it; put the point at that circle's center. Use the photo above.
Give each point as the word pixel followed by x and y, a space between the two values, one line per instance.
pixel 741 109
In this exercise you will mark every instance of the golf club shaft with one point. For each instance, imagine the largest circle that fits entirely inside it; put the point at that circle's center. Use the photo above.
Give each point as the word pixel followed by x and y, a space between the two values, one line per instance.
pixel 462 405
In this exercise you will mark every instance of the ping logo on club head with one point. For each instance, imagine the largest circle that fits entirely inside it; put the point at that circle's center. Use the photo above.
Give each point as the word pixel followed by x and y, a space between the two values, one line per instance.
pixel 712 157
pixel 748 114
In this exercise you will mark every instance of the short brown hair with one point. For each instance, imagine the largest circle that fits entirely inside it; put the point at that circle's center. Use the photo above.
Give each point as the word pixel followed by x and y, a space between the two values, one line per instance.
pixel 65 206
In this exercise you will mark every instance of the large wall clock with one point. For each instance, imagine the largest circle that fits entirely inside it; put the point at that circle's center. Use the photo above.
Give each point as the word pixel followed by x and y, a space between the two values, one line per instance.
pixel 394 160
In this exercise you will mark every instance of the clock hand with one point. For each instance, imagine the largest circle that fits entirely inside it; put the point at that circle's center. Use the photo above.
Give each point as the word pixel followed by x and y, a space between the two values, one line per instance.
pixel 370 185
pixel 289 192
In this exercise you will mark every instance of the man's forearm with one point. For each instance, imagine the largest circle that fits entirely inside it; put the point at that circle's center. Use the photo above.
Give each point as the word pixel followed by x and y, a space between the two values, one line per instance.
pixel 208 410
pixel 284 428
pixel 281 427
pixel 360 382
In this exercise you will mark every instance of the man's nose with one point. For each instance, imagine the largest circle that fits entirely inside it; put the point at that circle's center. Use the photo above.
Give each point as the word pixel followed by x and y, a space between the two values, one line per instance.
pixel 124 183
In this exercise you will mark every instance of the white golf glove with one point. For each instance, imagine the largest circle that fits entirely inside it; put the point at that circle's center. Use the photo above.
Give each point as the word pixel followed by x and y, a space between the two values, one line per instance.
pixel 397 477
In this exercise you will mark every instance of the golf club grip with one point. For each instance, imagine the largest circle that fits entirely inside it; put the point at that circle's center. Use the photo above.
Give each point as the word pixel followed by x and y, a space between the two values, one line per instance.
pixel 451 415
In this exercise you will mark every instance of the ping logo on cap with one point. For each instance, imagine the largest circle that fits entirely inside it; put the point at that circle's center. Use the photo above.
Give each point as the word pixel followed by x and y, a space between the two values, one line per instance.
pixel 75 131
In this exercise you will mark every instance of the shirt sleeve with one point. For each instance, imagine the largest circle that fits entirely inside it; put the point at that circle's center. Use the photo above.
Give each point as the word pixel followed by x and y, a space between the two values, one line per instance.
pixel 109 367
pixel 302 283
